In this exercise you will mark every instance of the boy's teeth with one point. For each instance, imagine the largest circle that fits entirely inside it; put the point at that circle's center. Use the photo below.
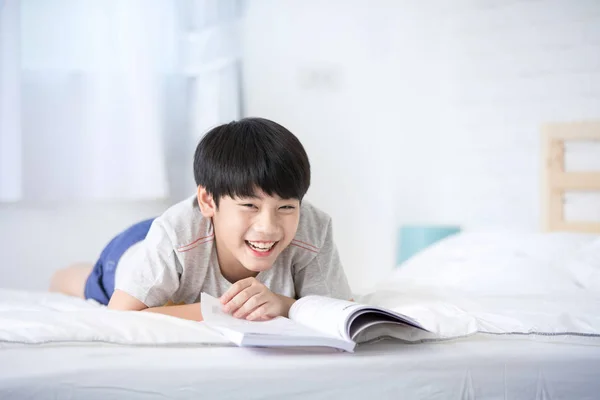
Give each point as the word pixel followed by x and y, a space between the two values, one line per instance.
pixel 262 245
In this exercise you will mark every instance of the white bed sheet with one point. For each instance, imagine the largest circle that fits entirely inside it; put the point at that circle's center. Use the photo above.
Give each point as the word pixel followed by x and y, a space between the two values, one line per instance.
pixel 476 368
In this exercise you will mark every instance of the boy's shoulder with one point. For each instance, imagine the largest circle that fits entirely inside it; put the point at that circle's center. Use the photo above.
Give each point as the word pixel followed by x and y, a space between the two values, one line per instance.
pixel 313 225
pixel 185 225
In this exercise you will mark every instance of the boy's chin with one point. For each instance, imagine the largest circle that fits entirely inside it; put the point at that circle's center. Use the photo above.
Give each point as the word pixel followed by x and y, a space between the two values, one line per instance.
pixel 257 267
pixel 254 265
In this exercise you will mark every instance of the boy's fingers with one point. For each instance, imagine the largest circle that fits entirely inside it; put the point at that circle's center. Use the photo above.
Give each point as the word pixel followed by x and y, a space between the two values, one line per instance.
pixel 235 289
pixel 250 305
pixel 240 299
pixel 260 314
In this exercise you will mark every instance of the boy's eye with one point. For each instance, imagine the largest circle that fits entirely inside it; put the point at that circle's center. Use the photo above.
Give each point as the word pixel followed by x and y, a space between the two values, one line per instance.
pixel 248 205
pixel 288 207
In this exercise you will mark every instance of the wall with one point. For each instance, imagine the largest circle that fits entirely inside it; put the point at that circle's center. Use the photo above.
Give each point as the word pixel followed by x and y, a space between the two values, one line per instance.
pixel 509 67
pixel 36 240
pixel 425 112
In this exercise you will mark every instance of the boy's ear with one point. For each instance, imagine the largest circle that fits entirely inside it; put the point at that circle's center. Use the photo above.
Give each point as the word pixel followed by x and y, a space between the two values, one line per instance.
pixel 206 202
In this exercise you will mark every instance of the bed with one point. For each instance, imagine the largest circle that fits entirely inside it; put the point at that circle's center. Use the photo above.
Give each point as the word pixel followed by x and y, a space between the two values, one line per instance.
pixel 474 369
pixel 519 312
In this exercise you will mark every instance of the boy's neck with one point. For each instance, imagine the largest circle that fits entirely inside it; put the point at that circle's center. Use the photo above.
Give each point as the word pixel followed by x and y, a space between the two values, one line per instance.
pixel 233 277
pixel 231 269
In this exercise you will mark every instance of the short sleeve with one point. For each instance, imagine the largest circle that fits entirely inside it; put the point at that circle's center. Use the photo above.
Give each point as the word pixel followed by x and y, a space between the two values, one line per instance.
pixel 154 270
pixel 324 274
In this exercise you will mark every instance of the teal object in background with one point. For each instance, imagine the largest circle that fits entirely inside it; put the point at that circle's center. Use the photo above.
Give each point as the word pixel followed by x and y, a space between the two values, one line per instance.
pixel 414 238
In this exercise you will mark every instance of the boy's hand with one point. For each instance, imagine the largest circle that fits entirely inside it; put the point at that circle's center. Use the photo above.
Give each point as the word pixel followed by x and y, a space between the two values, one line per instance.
pixel 250 299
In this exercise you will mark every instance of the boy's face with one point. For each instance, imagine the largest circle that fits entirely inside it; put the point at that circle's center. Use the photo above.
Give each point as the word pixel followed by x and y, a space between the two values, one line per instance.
pixel 251 232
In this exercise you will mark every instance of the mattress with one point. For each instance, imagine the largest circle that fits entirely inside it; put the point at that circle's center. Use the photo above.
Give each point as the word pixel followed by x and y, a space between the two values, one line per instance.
pixel 477 367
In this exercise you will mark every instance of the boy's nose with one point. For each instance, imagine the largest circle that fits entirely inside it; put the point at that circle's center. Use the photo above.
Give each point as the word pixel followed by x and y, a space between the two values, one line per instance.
pixel 266 224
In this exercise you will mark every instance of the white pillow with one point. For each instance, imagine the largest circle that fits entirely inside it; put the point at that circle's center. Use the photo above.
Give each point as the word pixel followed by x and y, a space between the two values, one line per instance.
pixel 584 266
pixel 504 263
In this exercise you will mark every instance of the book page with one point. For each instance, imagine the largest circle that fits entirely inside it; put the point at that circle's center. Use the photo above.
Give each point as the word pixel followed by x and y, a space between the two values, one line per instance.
pixel 324 314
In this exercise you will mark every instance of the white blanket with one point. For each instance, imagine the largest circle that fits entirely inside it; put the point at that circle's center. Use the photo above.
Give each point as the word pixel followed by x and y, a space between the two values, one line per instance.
pixel 37 318
pixel 569 316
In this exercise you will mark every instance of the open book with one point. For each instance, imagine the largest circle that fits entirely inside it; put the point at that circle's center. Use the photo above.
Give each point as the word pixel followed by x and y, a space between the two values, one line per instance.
pixel 313 321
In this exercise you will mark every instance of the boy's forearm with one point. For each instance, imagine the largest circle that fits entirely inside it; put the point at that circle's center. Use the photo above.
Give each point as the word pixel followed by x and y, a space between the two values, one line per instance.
pixel 186 311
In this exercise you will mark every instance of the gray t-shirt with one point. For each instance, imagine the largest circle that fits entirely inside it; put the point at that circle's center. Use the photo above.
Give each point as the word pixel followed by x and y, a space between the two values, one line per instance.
pixel 178 260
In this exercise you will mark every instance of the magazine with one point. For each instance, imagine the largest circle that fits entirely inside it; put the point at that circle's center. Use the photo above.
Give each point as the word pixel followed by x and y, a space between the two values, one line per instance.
pixel 313 321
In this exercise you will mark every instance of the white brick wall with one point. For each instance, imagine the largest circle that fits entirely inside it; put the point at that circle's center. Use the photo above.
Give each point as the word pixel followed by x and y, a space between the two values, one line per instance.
pixel 505 68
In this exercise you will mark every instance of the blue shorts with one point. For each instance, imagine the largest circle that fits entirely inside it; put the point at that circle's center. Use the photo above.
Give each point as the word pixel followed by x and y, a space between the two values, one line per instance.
pixel 100 285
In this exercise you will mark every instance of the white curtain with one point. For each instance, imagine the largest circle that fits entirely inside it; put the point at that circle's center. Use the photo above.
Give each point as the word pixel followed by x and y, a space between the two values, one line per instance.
pixel 106 99
pixel 10 129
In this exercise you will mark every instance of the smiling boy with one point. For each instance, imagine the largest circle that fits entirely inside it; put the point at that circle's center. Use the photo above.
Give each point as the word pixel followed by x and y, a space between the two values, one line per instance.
pixel 247 236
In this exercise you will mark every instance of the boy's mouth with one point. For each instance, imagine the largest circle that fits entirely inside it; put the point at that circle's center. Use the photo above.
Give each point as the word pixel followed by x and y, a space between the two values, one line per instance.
pixel 261 248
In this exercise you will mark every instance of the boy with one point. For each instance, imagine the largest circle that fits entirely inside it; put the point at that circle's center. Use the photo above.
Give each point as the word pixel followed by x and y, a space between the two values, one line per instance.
pixel 246 236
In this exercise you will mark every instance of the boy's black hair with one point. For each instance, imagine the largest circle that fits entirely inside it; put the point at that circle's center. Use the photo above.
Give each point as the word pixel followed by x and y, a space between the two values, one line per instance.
pixel 236 158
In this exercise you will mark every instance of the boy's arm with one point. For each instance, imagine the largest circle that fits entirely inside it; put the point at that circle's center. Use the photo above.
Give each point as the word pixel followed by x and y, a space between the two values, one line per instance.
pixel 185 311
pixel 125 302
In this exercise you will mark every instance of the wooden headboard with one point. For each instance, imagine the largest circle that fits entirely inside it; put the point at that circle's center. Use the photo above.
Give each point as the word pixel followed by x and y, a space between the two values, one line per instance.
pixel 556 181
